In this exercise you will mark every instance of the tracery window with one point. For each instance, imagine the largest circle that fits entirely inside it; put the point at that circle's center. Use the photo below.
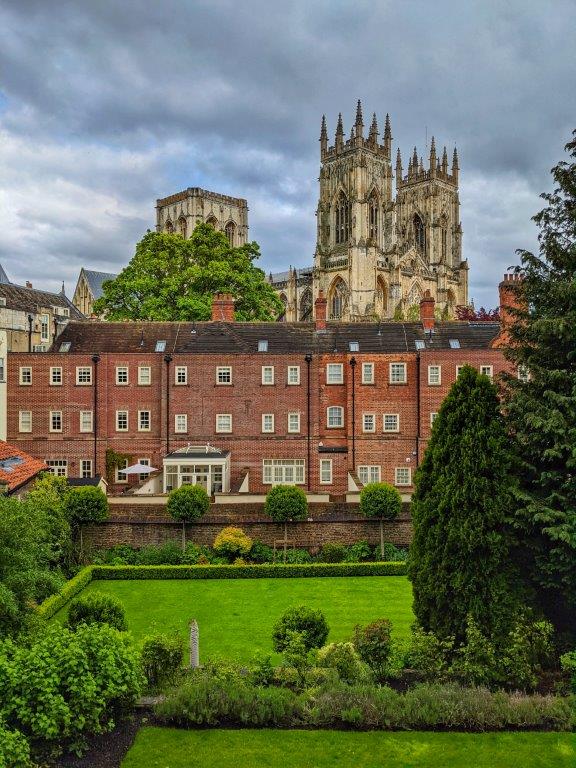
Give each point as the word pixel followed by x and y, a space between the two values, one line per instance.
pixel 306 305
pixel 342 219
pixel 182 226
pixel 419 234
pixel 373 216
pixel 213 221
pixel 169 227
pixel 229 231
pixel 337 300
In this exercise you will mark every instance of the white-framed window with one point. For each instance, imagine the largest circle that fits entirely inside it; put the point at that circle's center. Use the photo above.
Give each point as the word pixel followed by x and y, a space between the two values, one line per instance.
pixel 146 462
pixel 434 375
pixel 334 373
pixel 267 422
pixel 121 421
pixel 223 422
pixel 85 467
pixel 122 375
pixel 397 373
pixel 58 467
pixel 334 416
pixel 86 421
pixel 293 374
pixel 119 475
pixel 403 476
pixel 458 369
pixel 263 345
pixel 55 421
pixel 391 422
pixel 433 415
pixel 56 376
pixel 224 374
pixel 83 375
pixel 144 375
pixel 25 375
pixel 487 370
pixel 25 421
pixel 44 328
pixel 368 422
pixel 369 474
pixel 283 471
pixel 143 421
pixel 325 471
pixel 523 373
pixel 268 374
pixel 367 373
pixel 181 374
pixel 294 422
pixel 181 422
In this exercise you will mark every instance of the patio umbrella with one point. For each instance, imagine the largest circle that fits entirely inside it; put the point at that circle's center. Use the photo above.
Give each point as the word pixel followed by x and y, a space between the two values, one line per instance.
pixel 138 469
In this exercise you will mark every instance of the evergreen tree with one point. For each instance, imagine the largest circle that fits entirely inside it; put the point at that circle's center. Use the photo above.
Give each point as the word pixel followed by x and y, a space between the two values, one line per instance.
pixel 459 560
pixel 542 410
pixel 173 278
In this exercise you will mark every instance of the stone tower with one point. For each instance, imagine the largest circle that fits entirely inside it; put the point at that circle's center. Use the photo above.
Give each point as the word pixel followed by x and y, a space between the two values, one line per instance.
pixel 376 255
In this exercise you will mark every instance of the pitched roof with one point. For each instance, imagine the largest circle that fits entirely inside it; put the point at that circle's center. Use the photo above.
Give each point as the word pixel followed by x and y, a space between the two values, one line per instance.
pixel 283 338
pixel 96 279
pixel 80 482
pixel 282 277
pixel 3 276
pixel 16 467
pixel 31 300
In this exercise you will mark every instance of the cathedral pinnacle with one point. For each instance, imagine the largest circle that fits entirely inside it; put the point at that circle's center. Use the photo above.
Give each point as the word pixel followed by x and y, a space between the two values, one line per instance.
pixel 374 130
pixel 387 129
pixel 359 124
pixel 339 134
pixel 444 161
pixel 323 136
pixel 433 156
pixel 455 166
pixel 415 159
pixel 398 159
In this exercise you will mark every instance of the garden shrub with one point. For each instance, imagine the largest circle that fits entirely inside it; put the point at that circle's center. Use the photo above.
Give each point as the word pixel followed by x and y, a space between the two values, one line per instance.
pixel 568 665
pixel 161 659
pixel 380 501
pixel 392 553
pixel 14 749
pixel 119 554
pixel 262 669
pixel 188 503
pixel 193 553
pixel 97 608
pixel 66 685
pixel 53 604
pixel 359 552
pixel 165 554
pixel 345 659
pixel 296 556
pixel 333 553
pixel 374 645
pixel 310 623
pixel 232 542
pixel 428 655
pixel 261 553
pixel 47 583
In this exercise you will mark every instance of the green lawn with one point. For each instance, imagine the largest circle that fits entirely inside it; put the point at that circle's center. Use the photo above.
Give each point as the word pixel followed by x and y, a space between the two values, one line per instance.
pixel 172 748
pixel 236 616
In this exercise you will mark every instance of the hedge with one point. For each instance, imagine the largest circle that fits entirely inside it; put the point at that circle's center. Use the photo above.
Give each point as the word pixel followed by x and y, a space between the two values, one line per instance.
pixel 53 604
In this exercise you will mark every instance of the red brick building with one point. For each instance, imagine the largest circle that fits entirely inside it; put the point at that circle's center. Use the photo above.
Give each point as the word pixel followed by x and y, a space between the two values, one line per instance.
pixel 325 405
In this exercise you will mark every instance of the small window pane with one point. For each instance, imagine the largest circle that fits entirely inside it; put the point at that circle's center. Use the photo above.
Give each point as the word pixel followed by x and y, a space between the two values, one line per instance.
pixel 334 373
pixel 367 373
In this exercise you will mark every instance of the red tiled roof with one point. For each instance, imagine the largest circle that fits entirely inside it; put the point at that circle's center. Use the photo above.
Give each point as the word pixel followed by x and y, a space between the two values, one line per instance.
pixel 22 470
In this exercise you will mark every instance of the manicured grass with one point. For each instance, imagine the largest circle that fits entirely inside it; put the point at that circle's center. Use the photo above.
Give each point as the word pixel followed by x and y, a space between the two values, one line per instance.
pixel 172 748
pixel 236 617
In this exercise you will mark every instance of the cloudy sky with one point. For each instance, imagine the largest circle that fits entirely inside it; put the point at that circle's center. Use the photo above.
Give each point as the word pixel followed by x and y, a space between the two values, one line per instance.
pixel 106 106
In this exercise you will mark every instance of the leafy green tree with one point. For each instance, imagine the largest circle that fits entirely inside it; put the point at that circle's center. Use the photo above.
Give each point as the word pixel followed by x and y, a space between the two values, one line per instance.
pixel 86 504
pixel 46 498
pixel 542 410
pixel 459 561
pixel 187 504
pixel 172 278
pixel 382 501
pixel 284 504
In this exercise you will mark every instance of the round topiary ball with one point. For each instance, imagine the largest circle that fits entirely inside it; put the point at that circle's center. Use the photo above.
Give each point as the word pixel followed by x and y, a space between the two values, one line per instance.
pixel 306 621
pixel 97 608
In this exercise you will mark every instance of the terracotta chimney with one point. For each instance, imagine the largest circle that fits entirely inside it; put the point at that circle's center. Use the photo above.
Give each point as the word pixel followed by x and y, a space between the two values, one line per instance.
pixel 510 298
pixel 223 308
pixel 320 311
pixel 427 311
pixel 28 284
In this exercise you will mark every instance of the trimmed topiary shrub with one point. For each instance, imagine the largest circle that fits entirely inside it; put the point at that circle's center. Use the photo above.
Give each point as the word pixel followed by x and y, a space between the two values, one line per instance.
pixel 161 659
pixel 261 553
pixel 344 658
pixel 97 608
pixel 374 645
pixel 187 504
pixel 86 504
pixel 306 621
pixel 381 501
pixel 232 542
pixel 286 503
pixel 333 553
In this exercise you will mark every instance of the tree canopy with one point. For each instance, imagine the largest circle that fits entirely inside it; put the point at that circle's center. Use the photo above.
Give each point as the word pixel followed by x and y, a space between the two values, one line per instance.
pixel 541 404
pixel 459 561
pixel 173 278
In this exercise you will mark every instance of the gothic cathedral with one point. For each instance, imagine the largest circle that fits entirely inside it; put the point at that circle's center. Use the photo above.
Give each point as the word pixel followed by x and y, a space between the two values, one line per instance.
pixel 376 253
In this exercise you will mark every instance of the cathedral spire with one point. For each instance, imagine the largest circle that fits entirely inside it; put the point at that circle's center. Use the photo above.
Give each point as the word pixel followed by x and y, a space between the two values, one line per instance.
pixel 455 166
pixel 415 159
pixel 339 133
pixel 433 157
pixel 387 136
pixel 445 162
pixel 323 136
pixel 398 168
pixel 359 124
pixel 373 135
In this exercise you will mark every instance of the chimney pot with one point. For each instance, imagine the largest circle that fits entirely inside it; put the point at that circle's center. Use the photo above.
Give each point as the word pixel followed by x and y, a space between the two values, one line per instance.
pixel 320 306
pixel 223 308
pixel 28 284
pixel 427 305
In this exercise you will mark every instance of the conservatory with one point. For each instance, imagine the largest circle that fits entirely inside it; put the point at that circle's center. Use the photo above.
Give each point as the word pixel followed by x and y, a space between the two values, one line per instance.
pixel 202 465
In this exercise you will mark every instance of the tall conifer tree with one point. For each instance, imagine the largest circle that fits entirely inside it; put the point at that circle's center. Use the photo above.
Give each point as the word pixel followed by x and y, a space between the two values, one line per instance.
pixel 542 410
pixel 459 559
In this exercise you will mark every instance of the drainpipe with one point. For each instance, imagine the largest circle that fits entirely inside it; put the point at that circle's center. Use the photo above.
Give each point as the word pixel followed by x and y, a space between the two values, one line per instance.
pixel 353 366
pixel 167 360
pixel 30 321
pixel 95 360
pixel 308 360
pixel 417 409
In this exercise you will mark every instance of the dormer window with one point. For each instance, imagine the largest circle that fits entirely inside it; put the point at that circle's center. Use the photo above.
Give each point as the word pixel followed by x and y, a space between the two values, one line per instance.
pixel 263 345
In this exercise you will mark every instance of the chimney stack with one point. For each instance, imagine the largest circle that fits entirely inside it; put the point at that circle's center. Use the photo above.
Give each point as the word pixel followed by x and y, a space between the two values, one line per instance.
pixel 427 311
pixel 223 308
pixel 320 311
pixel 28 284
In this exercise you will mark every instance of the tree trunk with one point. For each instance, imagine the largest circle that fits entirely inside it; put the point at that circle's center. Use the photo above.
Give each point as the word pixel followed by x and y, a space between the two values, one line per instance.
pixel 183 536
pixel 382 538
pixel 285 540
